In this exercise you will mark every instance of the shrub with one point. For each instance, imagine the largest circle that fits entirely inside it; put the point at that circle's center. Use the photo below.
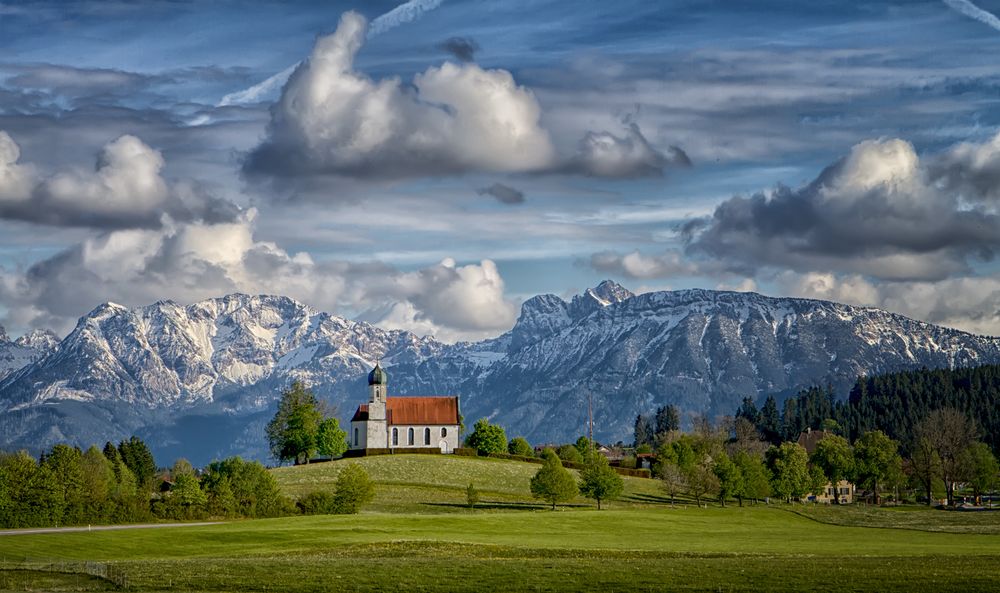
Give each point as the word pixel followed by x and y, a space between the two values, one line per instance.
pixel 521 447
pixel 317 502
pixel 471 496
pixel 354 489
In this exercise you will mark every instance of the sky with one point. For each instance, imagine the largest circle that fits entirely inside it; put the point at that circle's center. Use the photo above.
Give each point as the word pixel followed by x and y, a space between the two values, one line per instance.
pixel 429 165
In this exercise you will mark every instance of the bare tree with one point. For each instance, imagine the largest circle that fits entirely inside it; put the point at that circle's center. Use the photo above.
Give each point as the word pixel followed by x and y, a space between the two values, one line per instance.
pixel 673 480
pixel 949 432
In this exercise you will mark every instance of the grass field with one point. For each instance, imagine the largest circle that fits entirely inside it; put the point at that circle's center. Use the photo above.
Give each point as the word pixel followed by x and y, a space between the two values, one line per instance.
pixel 639 545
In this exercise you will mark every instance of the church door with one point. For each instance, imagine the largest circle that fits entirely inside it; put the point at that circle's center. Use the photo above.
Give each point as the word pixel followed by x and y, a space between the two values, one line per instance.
pixel 444 446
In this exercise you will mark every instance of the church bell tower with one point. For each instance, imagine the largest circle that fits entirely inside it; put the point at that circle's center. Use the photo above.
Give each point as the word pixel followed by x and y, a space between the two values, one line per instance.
pixel 377 432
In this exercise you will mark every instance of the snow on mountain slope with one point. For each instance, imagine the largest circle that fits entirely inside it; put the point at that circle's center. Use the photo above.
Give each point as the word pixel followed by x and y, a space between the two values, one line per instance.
pixel 25 350
pixel 201 380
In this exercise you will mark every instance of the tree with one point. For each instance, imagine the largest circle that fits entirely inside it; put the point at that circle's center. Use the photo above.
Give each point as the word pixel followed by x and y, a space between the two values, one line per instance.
pixel 666 420
pixel 701 480
pixel 981 469
pixel 644 431
pixel 66 465
pixel 925 467
pixel 950 433
pixel 553 483
pixel 354 489
pixel 187 498
pixel 730 478
pixel 331 441
pixel 833 456
pixel 876 461
pixel 254 490
pixel 673 480
pixel 569 453
pixel 770 421
pixel 139 460
pixel 221 499
pixel 98 481
pixel 599 481
pixel 471 496
pixel 521 447
pixel 585 446
pixel 292 432
pixel 755 483
pixel 487 438
pixel 789 467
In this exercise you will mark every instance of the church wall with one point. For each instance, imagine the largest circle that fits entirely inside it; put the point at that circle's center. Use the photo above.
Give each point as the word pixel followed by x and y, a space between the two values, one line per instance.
pixel 450 439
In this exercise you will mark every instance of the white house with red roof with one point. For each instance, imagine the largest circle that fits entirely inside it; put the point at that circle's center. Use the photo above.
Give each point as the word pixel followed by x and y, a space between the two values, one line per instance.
pixel 385 422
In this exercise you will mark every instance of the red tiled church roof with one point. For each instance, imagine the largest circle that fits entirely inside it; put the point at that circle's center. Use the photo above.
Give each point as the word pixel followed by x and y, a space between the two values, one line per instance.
pixel 416 410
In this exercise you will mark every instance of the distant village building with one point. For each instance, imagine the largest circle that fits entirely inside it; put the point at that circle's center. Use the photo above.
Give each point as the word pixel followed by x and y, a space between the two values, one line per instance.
pixel 844 491
pixel 403 422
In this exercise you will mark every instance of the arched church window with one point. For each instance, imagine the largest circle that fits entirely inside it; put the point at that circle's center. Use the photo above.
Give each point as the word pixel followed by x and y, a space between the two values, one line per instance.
pixel 409 436
pixel 395 437
pixel 355 437
pixel 444 432
pixel 427 436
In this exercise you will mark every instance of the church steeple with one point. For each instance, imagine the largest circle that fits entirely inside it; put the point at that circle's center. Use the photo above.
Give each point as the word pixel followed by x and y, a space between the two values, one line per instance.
pixel 377 381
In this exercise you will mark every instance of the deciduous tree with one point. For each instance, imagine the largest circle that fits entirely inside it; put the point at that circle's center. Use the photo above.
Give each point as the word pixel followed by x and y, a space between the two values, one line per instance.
pixel 487 438
pixel 520 446
pixel 553 483
pixel 789 467
pixel 292 432
pixel 833 456
pixel 331 441
pixel 876 461
pixel 599 481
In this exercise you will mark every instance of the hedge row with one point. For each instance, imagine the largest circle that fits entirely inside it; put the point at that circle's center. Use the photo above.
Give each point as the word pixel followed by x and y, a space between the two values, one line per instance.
pixel 387 451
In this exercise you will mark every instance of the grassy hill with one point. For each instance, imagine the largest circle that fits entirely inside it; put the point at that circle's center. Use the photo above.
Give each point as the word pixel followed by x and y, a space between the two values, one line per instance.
pixel 437 483
pixel 419 537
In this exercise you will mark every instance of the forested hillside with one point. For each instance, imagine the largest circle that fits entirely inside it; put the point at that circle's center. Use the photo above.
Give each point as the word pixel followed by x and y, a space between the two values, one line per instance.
pixel 893 403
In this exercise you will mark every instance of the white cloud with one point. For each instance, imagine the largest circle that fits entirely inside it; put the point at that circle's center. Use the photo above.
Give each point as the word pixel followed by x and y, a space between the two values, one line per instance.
pixel 332 119
pixel 194 261
pixel 603 154
pixel 126 189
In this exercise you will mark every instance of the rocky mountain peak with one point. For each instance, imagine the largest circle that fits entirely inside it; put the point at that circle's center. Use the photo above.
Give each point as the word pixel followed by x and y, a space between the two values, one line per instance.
pixel 606 293
pixel 39 339
pixel 3 335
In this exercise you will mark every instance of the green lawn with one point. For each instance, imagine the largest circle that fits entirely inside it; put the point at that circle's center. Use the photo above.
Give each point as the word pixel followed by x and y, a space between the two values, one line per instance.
pixel 635 547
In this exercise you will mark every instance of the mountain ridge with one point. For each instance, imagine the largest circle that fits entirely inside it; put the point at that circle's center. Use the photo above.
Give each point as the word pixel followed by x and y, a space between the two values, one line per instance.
pixel 221 363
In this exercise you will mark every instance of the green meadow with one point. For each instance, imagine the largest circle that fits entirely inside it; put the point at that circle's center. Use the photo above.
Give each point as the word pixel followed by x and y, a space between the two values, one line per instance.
pixel 417 536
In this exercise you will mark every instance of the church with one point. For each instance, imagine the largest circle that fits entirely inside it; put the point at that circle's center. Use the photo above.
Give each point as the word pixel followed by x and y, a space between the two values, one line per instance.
pixel 403 422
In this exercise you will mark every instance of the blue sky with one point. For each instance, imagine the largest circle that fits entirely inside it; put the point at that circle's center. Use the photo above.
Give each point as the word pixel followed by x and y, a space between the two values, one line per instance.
pixel 662 144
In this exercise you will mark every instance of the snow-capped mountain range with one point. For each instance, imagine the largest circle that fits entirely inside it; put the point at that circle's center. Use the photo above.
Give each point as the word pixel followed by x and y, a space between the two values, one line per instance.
pixel 201 381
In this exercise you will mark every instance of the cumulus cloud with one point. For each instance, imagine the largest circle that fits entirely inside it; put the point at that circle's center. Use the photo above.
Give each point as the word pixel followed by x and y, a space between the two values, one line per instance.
pixel 124 190
pixel 640 266
pixel 879 211
pixel 331 119
pixel 192 261
pixel 969 303
pixel 463 48
pixel 503 193
pixel 603 154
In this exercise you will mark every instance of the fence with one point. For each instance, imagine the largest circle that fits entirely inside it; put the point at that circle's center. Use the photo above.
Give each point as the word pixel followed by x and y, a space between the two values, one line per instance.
pixel 23 574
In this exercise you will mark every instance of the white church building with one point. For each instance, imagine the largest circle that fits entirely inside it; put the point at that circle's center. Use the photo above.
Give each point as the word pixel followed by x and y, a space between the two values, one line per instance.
pixel 403 422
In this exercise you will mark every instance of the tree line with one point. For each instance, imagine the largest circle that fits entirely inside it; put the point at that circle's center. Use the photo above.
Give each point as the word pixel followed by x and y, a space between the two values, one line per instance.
pixel 121 484
pixel 895 403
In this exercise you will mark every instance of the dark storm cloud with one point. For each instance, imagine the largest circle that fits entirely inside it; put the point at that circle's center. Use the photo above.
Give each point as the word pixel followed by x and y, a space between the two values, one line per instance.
pixel 503 193
pixel 878 211
pixel 463 48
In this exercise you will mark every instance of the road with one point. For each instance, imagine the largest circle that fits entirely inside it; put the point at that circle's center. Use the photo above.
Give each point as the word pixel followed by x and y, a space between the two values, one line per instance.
pixel 101 528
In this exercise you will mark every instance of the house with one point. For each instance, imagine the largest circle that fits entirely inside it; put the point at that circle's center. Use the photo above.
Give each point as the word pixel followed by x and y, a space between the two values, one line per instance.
pixel 844 491
pixel 403 422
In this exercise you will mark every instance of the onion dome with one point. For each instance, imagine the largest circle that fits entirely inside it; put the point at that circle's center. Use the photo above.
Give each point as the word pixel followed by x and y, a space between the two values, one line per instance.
pixel 377 376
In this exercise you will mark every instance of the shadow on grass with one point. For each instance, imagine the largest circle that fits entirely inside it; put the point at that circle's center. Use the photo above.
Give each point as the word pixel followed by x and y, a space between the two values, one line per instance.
pixel 502 506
